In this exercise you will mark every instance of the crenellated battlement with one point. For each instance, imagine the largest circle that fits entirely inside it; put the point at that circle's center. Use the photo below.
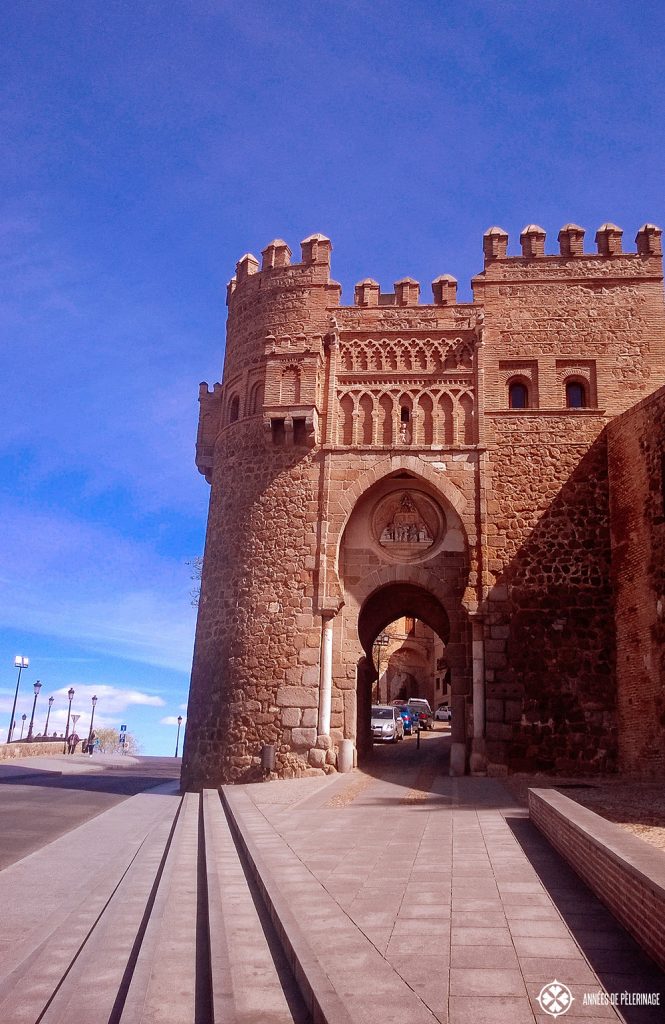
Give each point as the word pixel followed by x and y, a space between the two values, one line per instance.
pixel 276 271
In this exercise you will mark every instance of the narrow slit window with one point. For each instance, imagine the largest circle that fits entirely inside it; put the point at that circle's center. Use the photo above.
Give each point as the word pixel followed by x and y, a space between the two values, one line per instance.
pixel 299 431
pixel 278 432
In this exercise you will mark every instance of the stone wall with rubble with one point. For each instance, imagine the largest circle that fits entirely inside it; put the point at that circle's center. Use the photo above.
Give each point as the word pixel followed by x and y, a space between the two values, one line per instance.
pixel 636 444
pixel 550 647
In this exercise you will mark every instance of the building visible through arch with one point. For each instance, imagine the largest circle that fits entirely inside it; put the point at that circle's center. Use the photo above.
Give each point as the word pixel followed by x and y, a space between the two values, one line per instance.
pixel 442 460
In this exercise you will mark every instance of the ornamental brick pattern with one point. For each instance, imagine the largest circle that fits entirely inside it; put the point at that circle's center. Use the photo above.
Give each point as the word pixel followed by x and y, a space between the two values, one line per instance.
pixel 443 460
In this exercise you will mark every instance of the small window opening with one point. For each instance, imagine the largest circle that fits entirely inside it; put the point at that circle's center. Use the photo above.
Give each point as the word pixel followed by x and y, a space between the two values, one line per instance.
pixel 404 414
pixel 518 396
pixel 278 432
pixel 299 431
pixel 575 396
pixel 234 409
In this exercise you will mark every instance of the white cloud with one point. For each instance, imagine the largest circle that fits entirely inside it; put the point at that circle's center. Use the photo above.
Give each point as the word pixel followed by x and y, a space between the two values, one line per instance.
pixel 112 702
pixel 171 720
pixel 111 698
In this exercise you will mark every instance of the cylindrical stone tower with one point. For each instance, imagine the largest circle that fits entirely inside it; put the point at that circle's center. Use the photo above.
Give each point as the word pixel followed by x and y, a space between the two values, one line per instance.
pixel 256 633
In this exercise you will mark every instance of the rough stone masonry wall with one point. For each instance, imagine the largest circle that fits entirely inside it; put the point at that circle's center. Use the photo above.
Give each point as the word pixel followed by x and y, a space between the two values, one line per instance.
pixel 637 506
pixel 257 646
pixel 549 652
pixel 549 629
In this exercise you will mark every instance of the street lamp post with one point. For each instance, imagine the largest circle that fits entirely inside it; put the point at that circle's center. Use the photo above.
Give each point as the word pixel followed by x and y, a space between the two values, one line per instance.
pixel 37 687
pixel 177 739
pixel 48 715
pixel 70 694
pixel 381 641
pixel 92 718
pixel 23 718
pixel 20 663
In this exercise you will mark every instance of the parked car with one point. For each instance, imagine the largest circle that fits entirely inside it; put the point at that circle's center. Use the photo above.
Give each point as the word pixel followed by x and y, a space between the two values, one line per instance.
pixel 387 723
pixel 443 713
pixel 411 721
pixel 423 707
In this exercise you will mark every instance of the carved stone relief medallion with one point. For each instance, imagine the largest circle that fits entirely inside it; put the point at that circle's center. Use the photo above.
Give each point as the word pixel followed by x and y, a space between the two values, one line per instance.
pixel 407 526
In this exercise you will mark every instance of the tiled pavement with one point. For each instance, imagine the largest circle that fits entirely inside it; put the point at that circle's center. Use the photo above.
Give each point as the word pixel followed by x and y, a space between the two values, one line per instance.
pixel 444 905
pixel 402 896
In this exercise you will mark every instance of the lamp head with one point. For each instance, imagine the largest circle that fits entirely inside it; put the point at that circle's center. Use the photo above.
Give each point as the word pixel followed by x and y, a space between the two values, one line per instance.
pixel 37 687
pixel 94 702
pixel 51 699
pixel 179 719
pixel 21 662
pixel 70 693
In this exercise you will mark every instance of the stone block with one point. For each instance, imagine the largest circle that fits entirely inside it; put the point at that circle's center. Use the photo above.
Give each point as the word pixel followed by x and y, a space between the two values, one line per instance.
pixel 324 742
pixel 310 675
pixel 513 711
pixel 309 717
pixel 291 717
pixel 303 737
pixel 317 757
pixel 297 697
pixel 494 710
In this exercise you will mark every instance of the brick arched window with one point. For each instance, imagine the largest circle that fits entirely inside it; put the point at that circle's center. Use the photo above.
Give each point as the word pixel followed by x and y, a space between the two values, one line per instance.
pixel 518 394
pixel 576 394
pixel 234 408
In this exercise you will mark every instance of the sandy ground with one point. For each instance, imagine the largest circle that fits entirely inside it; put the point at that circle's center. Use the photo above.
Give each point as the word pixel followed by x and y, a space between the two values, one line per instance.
pixel 637 806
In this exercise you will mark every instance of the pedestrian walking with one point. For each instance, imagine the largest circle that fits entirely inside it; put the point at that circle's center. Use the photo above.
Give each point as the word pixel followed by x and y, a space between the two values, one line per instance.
pixel 92 739
pixel 72 742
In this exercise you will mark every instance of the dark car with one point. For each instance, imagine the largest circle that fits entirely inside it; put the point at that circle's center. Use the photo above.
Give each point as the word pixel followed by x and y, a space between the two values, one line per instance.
pixel 422 706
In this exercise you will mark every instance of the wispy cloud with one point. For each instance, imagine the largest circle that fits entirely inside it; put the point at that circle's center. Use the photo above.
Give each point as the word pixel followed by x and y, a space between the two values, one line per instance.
pixel 83 582
pixel 171 720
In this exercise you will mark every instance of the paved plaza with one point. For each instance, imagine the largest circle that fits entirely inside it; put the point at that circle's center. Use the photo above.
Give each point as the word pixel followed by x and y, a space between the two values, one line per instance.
pixel 396 894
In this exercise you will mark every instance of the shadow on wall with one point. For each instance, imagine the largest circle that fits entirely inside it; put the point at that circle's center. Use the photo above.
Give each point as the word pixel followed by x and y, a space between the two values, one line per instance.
pixel 551 691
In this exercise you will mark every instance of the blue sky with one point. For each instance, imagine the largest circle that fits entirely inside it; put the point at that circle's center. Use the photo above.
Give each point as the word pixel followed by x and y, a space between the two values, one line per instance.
pixel 146 147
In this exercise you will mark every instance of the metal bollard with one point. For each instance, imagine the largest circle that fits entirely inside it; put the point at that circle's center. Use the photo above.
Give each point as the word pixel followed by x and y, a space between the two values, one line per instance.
pixel 268 758
pixel 418 739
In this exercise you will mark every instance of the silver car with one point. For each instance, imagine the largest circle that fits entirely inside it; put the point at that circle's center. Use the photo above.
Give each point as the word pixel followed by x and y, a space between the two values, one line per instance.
pixel 387 723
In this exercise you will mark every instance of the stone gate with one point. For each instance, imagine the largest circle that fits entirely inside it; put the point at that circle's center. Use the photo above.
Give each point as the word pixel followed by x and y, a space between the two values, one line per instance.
pixel 442 460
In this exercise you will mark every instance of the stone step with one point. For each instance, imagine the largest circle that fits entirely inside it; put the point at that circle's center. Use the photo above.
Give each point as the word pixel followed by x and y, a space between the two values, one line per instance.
pixel 53 939
pixel 342 976
pixel 164 970
pixel 167 928
pixel 251 980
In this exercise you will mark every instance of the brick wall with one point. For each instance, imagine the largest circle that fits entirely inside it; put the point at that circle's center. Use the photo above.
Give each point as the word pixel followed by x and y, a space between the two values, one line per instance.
pixel 624 872
pixel 636 445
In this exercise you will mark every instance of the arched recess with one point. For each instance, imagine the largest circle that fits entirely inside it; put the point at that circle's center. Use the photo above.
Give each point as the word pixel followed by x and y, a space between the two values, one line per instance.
pixel 374 584
pixel 366 407
pixel 383 606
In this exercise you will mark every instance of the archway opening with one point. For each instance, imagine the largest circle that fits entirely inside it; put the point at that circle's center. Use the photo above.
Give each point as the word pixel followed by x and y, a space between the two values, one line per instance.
pixel 404 631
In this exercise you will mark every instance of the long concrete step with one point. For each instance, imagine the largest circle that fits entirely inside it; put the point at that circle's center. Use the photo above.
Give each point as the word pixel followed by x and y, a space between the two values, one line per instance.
pixel 168 927
pixel 343 977
pixel 55 898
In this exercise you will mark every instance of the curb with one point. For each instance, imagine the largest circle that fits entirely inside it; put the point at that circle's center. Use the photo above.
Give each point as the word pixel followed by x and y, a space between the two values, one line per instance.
pixel 321 998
